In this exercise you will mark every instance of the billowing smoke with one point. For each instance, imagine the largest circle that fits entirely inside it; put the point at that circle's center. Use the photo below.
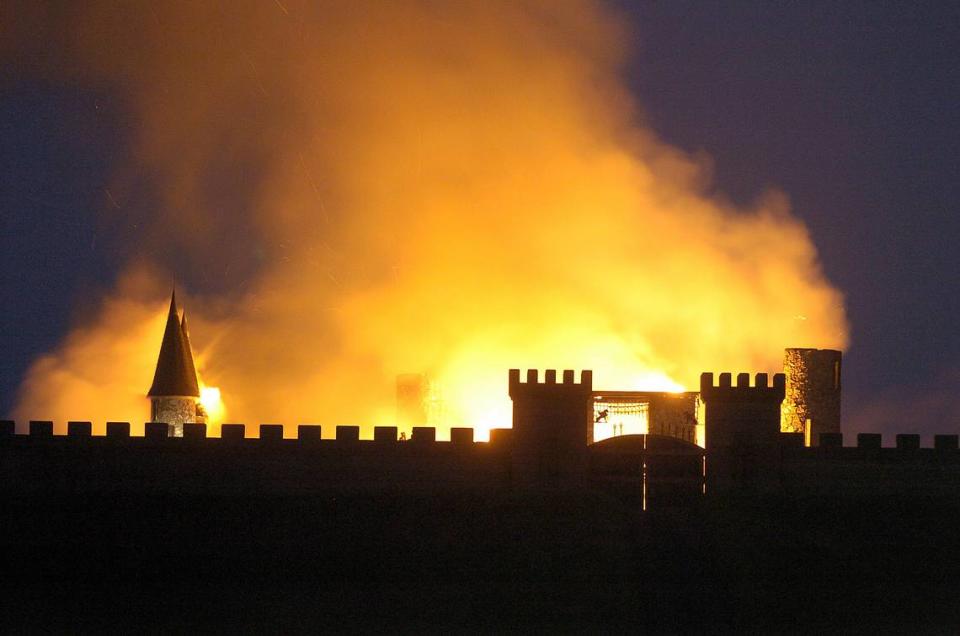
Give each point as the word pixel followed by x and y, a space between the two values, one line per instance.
pixel 449 188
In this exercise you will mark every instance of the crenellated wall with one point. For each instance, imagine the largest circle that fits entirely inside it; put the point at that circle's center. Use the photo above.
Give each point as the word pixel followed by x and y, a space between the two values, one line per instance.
pixel 235 464
pixel 741 411
pixel 828 468
pixel 552 427
pixel 548 447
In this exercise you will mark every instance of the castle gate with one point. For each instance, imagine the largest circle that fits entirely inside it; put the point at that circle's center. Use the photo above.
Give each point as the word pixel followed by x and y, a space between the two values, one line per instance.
pixel 649 471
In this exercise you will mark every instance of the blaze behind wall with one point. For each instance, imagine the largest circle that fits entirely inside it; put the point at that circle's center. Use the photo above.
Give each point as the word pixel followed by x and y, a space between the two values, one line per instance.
pixel 355 190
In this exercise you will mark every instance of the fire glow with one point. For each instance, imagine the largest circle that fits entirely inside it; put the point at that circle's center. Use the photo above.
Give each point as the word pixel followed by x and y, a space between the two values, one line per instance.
pixel 212 404
pixel 469 191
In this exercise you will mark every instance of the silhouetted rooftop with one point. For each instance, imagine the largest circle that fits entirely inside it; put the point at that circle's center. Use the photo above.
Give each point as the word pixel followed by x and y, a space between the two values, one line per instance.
pixel 175 374
pixel 191 369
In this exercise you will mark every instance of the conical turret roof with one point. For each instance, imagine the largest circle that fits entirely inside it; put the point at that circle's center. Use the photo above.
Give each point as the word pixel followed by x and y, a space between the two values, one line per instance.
pixel 176 373
pixel 191 369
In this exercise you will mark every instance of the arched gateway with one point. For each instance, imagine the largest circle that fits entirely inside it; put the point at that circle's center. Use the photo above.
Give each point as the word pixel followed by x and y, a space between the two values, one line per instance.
pixel 651 471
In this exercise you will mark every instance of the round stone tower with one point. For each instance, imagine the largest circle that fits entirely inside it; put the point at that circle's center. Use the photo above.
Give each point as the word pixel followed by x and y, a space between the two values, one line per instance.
pixel 812 402
pixel 175 391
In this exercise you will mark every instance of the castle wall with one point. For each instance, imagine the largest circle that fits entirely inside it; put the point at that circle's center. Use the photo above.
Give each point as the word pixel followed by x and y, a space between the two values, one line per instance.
pixel 42 463
pixel 867 470
pixel 160 525
pixel 270 465
pixel 812 401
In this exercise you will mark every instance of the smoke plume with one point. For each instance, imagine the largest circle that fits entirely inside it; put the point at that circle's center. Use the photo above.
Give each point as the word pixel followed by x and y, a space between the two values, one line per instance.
pixel 347 191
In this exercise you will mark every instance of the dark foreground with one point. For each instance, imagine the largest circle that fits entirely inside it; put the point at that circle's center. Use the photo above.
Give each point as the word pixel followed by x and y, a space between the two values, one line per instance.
pixel 477 562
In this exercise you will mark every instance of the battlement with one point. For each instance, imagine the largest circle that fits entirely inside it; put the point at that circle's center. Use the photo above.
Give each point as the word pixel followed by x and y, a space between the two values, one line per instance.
pixel 43 430
pixel 40 461
pixel 832 443
pixel 552 428
pixel 724 390
pixel 37 461
pixel 567 385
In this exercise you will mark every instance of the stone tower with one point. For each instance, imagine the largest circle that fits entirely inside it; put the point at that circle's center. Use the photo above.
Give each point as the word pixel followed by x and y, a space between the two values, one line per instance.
pixel 552 426
pixel 741 414
pixel 812 404
pixel 175 391
pixel 742 424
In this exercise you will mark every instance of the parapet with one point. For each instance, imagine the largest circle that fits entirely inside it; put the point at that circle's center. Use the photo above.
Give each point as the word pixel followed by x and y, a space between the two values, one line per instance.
pixel 309 433
pixel 79 431
pixel 194 430
pixel 384 433
pixel 232 431
pixel 725 391
pixel 156 430
pixel 118 429
pixel 348 434
pixel 265 463
pixel 271 432
pixel 533 387
pixel 423 434
pixel 905 443
pixel 41 428
pixel 946 442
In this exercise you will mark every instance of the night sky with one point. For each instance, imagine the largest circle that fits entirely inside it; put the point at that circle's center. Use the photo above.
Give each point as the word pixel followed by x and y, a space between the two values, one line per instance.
pixel 851 109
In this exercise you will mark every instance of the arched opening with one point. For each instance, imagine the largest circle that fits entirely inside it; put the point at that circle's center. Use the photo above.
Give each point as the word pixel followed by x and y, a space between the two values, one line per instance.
pixel 648 471
pixel 622 413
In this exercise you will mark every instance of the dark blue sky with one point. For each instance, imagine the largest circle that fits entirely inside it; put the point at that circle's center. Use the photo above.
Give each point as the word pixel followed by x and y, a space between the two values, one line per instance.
pixel 56 152
pixel 853 109
pixel 849 108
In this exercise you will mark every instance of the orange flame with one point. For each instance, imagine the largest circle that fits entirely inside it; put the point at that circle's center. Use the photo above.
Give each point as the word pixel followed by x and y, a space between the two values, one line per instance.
pixel 466 191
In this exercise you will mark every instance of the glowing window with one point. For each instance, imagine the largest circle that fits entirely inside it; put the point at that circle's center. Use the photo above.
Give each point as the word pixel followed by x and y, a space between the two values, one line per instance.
pixel 612 418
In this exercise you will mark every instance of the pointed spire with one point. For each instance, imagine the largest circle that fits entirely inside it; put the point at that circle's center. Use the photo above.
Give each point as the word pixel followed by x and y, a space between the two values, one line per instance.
pixel 176 374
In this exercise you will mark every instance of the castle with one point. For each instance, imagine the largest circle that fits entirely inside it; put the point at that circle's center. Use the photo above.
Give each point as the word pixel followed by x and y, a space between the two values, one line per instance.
pixel 739 499
pixel 779 434
pixel 549 447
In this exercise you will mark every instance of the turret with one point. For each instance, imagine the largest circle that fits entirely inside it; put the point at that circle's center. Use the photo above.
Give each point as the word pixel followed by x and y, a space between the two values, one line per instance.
pixel 741 412
pixel 175 391
pixel 812 404
pixel 742 425
pixel 552 426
